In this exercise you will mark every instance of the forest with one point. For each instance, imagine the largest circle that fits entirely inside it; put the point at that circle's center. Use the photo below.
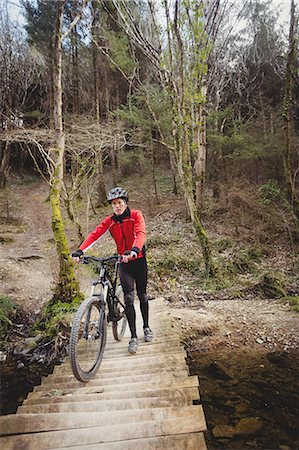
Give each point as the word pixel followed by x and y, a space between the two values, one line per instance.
pixel 193 107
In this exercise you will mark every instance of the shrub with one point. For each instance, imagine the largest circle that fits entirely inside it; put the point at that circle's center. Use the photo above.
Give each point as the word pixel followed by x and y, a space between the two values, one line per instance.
pixel 271 193
pixel 7 310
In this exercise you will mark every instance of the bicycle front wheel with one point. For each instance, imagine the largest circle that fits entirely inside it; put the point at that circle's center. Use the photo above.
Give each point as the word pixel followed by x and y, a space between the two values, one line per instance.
pixel 88 338
pixel 119 322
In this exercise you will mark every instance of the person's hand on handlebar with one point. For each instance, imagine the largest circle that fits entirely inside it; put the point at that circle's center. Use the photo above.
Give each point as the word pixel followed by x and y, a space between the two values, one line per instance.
pixel 129 255
pixel 77 255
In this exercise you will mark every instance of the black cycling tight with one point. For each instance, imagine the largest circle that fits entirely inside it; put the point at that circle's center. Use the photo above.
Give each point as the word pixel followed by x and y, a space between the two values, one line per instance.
pixel 131 273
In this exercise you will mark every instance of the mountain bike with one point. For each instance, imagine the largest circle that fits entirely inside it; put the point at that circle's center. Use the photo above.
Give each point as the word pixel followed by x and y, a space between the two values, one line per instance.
pixel 89 328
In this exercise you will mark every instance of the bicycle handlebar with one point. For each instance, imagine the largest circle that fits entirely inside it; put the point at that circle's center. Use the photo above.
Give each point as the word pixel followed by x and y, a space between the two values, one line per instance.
pixel 86 259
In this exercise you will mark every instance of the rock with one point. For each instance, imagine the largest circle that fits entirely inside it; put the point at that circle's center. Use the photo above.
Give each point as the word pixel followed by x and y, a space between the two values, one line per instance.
pixel 25 351
pixel 229 403
pixel 247 426
pixel 259 341
pixel 280 359
pixel 219 371
pixel 223 431
pixel 241 408
pixel 3 357
pixel 36 338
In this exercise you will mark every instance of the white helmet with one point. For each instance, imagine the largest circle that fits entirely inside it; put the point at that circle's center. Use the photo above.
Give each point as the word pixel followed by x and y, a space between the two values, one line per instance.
pixel 117 192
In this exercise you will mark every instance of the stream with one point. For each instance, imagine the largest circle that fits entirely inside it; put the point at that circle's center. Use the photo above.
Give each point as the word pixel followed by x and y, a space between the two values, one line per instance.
pixel 250 397
pixel 17 380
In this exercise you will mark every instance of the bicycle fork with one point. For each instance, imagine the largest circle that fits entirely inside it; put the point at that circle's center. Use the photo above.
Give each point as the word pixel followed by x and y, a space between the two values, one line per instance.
pixel 102 304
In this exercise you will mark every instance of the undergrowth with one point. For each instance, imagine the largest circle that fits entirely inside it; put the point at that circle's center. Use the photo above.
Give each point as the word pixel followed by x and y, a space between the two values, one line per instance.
pixel 55 318
pixel 7 312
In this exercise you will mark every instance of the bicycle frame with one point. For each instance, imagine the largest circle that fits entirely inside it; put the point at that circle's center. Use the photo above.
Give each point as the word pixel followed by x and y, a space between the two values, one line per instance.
pixel 109 286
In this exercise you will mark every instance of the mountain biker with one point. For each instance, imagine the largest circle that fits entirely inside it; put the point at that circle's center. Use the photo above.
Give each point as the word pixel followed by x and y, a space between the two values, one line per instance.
pixel 127 227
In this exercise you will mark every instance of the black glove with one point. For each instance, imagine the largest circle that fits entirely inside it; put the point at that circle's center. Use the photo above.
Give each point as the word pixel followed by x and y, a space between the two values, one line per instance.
pixel 77 254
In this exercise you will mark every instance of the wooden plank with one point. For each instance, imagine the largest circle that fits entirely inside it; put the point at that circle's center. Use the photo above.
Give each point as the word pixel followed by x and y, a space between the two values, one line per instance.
pixel 106 405
pixel 29 423
pixel 188 394
pixel 112 433
pixel 133 362
pixel 114 378
pixel 191 441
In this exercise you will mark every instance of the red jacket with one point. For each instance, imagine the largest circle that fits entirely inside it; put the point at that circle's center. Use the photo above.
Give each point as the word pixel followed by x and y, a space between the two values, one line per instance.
pixel 128 234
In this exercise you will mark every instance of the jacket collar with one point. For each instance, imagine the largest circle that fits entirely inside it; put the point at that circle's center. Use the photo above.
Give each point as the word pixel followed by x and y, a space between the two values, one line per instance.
pixel 121 217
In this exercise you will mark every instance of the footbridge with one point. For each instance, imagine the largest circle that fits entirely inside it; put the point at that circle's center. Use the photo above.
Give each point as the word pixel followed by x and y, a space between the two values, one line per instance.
pixel 136 402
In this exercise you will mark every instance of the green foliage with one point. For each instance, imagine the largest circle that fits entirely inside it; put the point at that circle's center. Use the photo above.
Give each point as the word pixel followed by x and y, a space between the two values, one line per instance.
pixel 7 309
pixel 132 162
pixel 135 115
pixel 120 52
pixel 56 317
pixel 272 285
pixel 238 145
pixel 36 114
pixel 162 241
pixel 174 263
pixel 222 244
pixel 233 262
pixel 270 192
pixel 40 17
pixel 294 302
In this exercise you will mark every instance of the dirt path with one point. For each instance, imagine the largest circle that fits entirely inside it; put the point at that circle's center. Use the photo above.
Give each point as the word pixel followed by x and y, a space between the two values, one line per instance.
pixel 27 251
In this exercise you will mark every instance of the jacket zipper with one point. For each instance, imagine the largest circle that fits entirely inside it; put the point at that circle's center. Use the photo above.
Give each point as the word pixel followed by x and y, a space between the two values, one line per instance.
pixel 121 225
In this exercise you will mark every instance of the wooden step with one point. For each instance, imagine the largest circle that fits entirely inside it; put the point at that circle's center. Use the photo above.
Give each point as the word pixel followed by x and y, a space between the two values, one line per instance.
pixel 192 423
pixel 113 378
pixel 120 383
pixel 29 423
pixel 188 395
pixel 86 389
pixel 150 368
pixel 105 405
pixel 122 350
pixel 191 441
pixel 128 361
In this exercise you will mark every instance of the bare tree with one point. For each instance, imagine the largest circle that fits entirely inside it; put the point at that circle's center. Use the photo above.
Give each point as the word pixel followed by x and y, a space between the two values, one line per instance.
pixel 290 76
pixel 67 287
pixel 16 75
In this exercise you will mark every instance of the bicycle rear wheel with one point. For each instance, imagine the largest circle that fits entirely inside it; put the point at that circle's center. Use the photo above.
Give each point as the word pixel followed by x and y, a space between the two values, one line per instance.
pixel 88 338
pixel 119 323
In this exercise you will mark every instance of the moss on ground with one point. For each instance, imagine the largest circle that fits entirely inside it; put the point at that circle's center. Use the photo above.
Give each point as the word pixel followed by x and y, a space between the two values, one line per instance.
pixel 56 318
pixel 293 302
pixel 7 311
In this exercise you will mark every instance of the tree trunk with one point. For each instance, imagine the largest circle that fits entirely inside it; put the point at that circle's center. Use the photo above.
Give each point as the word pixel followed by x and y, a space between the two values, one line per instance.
pixel 263 116
pixel 288 89
pixel 4 164
pixel 173 172
pixel 102 198
pixel 200 164
pixel 187 186
pixel 96 94
pixel 67 287
pixel 75 64
pixel 72 217
pixel 113 160
pixel 152 148
pixel 50 90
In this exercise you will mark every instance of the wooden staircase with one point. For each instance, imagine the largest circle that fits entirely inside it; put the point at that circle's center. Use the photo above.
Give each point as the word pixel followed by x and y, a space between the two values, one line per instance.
pixel 136 402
